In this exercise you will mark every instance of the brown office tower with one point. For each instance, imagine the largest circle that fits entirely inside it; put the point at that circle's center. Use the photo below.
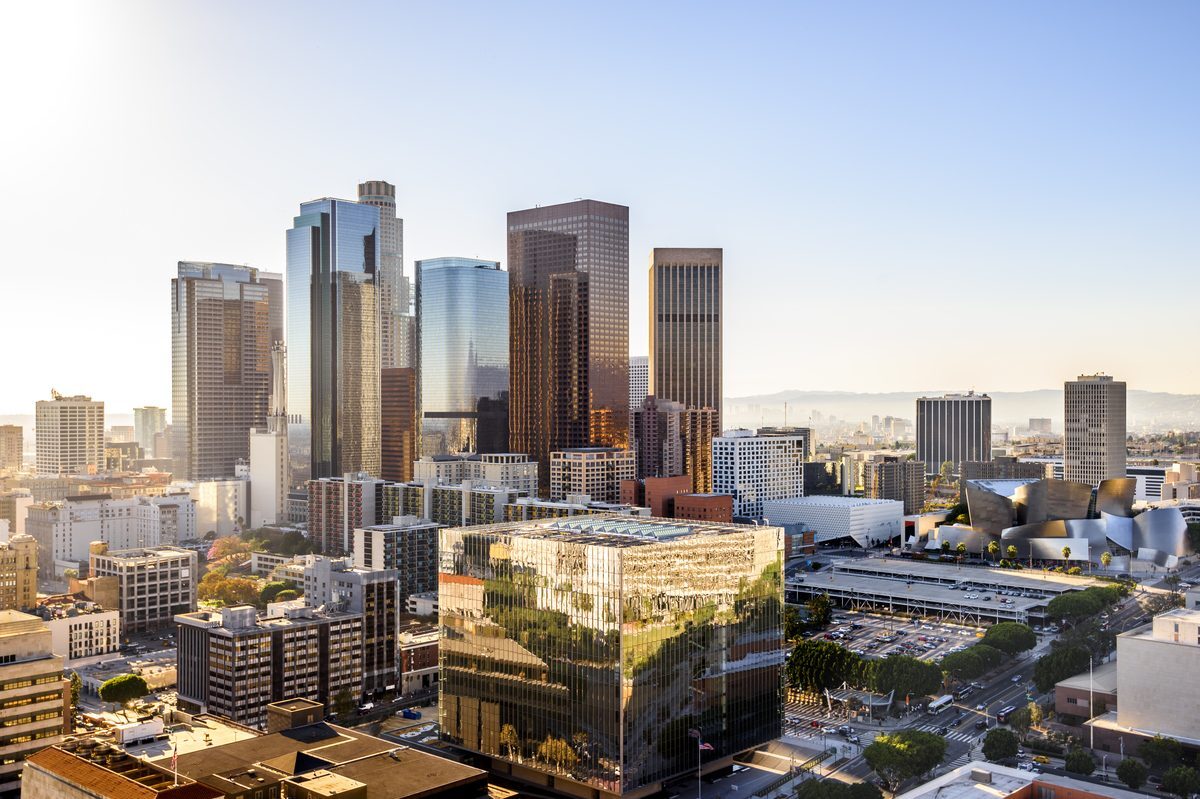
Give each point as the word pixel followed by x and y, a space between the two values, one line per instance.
pixel 569 329
pixel 398 423
pixel 671 439
pixel 685 325
pixel 685 345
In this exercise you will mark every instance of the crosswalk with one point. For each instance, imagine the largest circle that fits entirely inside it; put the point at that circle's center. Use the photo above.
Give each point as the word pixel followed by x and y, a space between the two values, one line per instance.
pixel 962 736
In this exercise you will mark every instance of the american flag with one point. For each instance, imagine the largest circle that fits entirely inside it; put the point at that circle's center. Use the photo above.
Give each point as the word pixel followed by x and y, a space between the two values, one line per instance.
pixel 705 747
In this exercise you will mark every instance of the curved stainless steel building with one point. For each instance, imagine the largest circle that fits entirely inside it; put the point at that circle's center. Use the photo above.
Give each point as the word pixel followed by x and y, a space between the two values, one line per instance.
pixel 462 323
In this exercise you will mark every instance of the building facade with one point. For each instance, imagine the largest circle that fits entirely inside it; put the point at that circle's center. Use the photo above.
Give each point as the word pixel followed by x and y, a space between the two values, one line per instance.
pixel 639 380
pixel 569 328
pixel 398 425
pixel 269 480
pixel 231 663
pixel 220 366
pixel 18 572
pixel 149 421
pixel 333 260
pixel 153 584
pixel 81 631
pixel 69 432
pixel 12 448
pixel 462 333
pixel 865 521
pixel 336 584
pixel 594 471
pixel 35 703
pixel 393 290
pixel 624 633
pixel 65 530
pixel 509 469
pixel 685 325
pixel 408 549
pixel 954 428
pixel 753 468
pixel 892 477
pixel 337 506
pixel 671 439
pixel 1093 429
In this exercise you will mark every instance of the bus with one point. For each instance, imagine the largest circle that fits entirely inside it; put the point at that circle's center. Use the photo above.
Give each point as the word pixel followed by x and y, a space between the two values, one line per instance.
pixel 939 704
pixel 1002 715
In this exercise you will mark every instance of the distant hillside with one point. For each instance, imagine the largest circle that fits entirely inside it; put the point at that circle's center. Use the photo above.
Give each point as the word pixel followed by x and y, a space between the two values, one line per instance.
pixel 1147 409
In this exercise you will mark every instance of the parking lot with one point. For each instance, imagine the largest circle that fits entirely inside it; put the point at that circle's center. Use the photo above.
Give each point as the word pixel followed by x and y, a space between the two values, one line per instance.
pixel 876 636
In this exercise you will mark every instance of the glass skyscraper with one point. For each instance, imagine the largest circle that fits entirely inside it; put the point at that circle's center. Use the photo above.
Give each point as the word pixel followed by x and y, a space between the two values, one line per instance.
pixel 220 366
pixel 462 322
pixel 333 340
pixel 588 648
pixel 569 328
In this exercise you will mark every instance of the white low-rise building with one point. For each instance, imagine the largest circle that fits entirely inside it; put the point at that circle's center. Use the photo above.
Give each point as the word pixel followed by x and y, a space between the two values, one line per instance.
pixel 508 469
pixel 65 529
pixel 866 521
pixel 221 505
pixel 82 632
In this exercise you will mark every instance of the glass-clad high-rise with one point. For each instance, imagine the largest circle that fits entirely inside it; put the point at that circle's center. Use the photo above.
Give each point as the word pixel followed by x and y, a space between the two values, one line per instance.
pixel 333 340
pixel 569 314
pixel 588 649
pixel 462 319
pixel 220 366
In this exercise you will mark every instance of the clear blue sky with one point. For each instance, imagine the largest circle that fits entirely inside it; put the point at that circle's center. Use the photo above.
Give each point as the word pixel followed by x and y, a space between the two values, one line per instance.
pixel 991 195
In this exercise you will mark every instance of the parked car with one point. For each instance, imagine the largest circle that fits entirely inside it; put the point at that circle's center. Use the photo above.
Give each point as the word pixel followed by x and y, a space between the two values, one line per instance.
pixel 409 713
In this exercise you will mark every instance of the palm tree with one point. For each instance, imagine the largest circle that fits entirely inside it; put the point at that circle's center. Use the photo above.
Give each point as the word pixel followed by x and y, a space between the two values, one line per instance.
pixel 1011 552
pixel 960 550
pixel 1066 553
pixel 1106 559
pixel 993 548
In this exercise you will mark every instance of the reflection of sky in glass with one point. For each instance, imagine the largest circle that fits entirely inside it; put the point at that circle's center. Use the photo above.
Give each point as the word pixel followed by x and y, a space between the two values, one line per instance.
pixel 329 236
pixel 463 316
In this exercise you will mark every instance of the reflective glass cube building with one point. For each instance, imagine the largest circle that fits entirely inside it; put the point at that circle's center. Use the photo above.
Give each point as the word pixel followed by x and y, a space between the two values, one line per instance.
pixel 462 323
pixel 333 256
pixel 581 652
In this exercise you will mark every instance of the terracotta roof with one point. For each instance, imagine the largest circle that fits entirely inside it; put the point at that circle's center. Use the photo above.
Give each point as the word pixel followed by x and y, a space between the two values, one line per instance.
pixel 101 781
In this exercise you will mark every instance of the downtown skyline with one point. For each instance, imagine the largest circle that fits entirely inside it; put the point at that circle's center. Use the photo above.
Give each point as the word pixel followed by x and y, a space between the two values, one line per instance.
pixel 860 196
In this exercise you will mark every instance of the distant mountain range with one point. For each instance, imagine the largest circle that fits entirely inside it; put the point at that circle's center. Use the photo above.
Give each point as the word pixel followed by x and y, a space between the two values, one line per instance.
pixel 1147 410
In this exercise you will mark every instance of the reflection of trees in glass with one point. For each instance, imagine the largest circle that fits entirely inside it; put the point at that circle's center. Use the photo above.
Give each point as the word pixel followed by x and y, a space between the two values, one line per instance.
pixel 510 741
pixel 558 753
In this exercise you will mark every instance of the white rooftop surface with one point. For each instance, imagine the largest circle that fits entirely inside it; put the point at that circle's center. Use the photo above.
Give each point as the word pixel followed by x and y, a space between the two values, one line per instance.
pixel 1025 580
pixel 870 586
pixel 831 502
pixel 1004 781
pixel 203 732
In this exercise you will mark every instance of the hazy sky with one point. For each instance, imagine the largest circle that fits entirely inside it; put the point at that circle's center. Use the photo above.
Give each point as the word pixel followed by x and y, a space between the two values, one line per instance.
pixel 988 195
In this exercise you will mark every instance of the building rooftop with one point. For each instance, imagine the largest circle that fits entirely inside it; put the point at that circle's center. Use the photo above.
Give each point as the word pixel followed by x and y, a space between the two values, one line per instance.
pixel 1102 678
pixel 979 780
pixel 615 531
pixel 831 502
pixel 14 622
pixel 1051 583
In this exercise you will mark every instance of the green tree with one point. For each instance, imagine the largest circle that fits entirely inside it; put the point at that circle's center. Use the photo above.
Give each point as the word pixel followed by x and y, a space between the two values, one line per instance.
pixel 343 702
pixel 990 656
pixel 1020 720
pixel 271 590
pixel 1080 762
pixel 820 610
pixel 793 625
pixel 1010 637
pixel 1106 561
pixel 965 665
pixel 287 595
pixel 216 587
pixel 907 676
pixel 123 689
pixel 832 789
pixel 1131 772
pixel 558 752
pixel 897 756
pixel 815 665
pixel 1000 744
pixel 993 549
pixel 1035 714
pixel 1073 605
pixel 1182 781
pixel 1161 753
pixel 945 547
pixel 1066 552
pixel 1058 665
pixel 1011 552
pixel 76 688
